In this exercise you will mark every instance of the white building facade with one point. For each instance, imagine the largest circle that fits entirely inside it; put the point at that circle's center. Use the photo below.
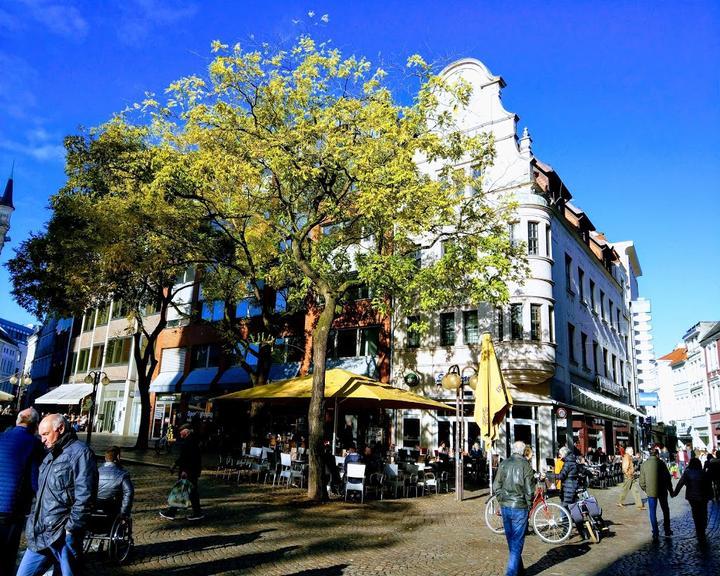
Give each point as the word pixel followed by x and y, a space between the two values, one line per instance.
pixel 564 337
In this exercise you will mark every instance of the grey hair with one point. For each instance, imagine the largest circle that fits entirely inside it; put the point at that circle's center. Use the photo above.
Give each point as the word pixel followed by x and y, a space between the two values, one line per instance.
pixel 518 447
pixel 563 451
pixel 56 420
pixel 28 417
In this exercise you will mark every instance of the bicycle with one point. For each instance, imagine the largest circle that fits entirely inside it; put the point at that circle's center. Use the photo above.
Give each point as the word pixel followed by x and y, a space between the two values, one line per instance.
pixel 550 521
pixel 588 511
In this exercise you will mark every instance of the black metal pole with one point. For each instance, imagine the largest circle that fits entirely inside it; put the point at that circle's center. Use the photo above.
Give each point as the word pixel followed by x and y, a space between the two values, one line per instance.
pixel 91 415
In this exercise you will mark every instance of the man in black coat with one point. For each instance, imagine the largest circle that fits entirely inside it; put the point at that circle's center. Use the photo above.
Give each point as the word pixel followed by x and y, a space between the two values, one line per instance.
pixel 189 466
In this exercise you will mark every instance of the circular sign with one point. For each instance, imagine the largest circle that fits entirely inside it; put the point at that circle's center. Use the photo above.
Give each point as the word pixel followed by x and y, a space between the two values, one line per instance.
pixel 561 412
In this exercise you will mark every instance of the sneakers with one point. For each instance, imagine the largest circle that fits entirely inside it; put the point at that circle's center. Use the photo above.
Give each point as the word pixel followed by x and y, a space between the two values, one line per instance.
pixel 620 505
pixel 642 508
pixel 196 516
pixel 167 514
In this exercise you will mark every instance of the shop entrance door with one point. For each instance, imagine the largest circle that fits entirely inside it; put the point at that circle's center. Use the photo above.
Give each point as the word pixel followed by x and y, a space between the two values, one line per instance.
pixel 108 423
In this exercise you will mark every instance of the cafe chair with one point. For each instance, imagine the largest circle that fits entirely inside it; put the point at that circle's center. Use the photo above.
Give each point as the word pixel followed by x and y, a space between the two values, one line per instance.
pixel 355 480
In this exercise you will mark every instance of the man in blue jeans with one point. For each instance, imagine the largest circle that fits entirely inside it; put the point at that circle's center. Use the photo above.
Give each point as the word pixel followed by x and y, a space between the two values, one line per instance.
pixel 656 482
pixel 514 486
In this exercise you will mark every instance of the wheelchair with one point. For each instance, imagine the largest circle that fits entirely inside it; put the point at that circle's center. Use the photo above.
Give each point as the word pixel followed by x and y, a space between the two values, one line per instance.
pixel 109 528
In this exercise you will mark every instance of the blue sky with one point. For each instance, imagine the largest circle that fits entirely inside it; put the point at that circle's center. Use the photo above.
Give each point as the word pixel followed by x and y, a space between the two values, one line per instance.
pixel 621 98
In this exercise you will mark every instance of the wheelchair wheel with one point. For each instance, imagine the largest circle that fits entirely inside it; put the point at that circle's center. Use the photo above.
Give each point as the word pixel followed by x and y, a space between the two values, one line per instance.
pixel 121 541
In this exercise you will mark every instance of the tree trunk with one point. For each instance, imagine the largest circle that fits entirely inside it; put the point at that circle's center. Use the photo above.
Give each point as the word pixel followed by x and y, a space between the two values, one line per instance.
pixel 317 400
pixel 144 428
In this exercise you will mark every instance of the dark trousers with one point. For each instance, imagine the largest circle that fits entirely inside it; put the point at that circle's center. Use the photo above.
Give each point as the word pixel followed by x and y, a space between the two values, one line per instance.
pixel 653 502
pixel 9 543
pixel 699 514
pixel 195 495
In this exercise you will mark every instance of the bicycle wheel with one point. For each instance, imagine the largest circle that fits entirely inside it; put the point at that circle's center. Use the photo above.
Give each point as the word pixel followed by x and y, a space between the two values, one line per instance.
pixel 552 523
pixel 493 517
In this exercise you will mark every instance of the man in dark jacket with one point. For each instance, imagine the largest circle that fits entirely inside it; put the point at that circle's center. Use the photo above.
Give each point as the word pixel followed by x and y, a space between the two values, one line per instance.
pixel 189 466
pixel 514 486
pixel 67 484
pixel 656 483
pixel 20 455
pixel 115 489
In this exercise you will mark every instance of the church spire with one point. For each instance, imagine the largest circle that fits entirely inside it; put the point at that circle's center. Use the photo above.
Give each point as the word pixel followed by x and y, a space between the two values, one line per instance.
pixel 7 197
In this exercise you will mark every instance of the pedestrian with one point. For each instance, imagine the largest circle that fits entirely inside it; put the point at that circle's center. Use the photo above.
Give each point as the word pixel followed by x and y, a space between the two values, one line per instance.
pixel 713 472
pixel 189 466
pixel 630 483
pixel 115 488
pixel 514 486
pixel 21 453
pixel 656 482
pixel 682 459
pixel 571 475
pixel 67 482
pixel 697 493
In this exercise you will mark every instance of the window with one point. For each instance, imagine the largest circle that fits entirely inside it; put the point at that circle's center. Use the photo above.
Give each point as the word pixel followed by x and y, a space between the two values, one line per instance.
pixel 581 284
pixel 353 342
pixel 361 292
pixel 186 276
pixel 213 311
pixel 471 329
pixel 204 356
pixel 512 233
pixel 347 341
pixel 568 272
pixel 83 358
pixel 369 341
pixel 548 242
pixel 411 431
pixel 447 329
pixel 103 315
pixel 551 323
pixel 605 362
pixel 583 350
pixel 246 308
pixel 499 328
pixel 447 247
pixel 288 349
pixel 152 308
pixel 535 322
pixel 416 256
pixel 571 343
pixel 516 322
pixel 592 296
pixel 89 320
pixel 595 357
pixel 118 351
pixel 621 380
pixel 120 310
pixel 613 367
pixel 617 317
pixel 611 315
pixel 533 238
pixel 602 304
pixel 97 356
pixel 413 336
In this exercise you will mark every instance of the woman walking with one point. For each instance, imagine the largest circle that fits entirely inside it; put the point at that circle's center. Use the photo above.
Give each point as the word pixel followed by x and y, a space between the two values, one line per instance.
pixel 697 493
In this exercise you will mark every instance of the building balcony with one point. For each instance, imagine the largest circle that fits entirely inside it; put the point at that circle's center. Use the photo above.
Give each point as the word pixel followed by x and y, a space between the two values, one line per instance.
pixel 526 363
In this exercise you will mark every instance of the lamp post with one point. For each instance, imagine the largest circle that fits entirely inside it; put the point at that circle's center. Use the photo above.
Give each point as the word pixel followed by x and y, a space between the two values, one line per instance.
pixel 22 381
pixel 453 380
pixel 94 378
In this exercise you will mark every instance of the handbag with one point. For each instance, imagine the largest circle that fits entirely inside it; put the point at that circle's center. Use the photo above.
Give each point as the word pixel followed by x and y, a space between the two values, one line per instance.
pixel 179 496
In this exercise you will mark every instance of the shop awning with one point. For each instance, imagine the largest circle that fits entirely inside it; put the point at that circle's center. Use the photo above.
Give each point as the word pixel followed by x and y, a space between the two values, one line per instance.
pixel 166 382
pixel 67 394
pixel 585 395
pixel 234 377
pixel 199 380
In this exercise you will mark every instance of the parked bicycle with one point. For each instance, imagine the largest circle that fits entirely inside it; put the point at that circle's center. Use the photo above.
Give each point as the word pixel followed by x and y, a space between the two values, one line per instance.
pixel 587 510
pixel 550 521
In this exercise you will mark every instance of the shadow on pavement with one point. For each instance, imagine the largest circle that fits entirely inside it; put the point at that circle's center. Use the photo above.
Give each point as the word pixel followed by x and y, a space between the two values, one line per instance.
pixel 555 556
pixel 210 542
pixel 336 570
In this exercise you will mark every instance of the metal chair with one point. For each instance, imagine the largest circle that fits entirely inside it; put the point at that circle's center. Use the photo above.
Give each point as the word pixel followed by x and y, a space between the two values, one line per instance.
pixel 355 480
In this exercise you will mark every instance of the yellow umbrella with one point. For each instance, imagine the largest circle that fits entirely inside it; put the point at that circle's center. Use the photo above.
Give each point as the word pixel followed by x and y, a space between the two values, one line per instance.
pixel 339 384
pixel 492 398
pixel 342 386
pixel 5 397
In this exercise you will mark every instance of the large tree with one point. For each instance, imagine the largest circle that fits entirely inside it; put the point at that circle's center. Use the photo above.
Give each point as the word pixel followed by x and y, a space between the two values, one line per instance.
pixel 116 232
pixel 322 181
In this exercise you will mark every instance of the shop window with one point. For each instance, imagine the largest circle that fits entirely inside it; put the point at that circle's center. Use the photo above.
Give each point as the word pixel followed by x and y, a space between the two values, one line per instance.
pixel 447 329
pixel 471 328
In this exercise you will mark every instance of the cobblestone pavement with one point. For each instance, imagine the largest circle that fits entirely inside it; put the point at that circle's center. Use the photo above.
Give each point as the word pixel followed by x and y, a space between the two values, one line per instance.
pixel 257 530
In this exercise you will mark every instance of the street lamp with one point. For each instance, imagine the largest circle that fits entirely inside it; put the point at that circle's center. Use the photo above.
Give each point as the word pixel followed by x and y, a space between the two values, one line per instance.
pixel 453 380
pixel 94 379
pixel 22 381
